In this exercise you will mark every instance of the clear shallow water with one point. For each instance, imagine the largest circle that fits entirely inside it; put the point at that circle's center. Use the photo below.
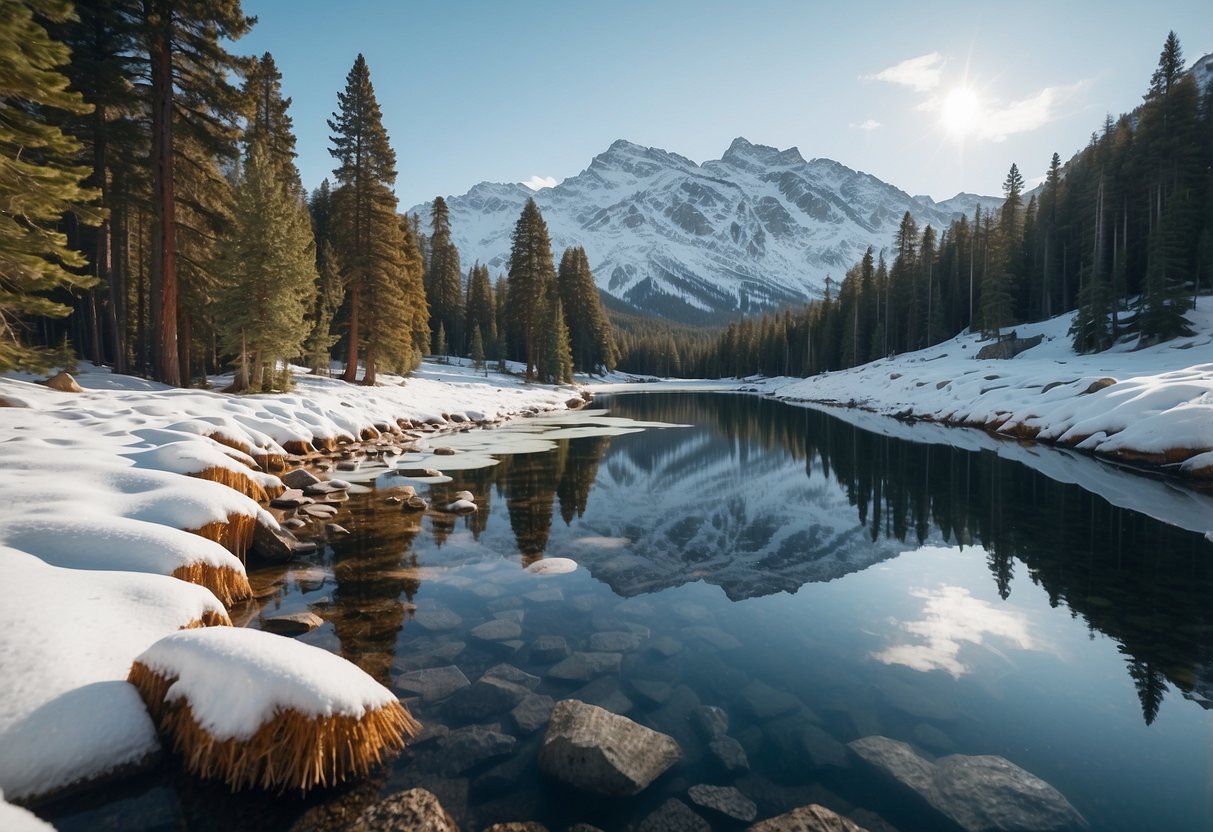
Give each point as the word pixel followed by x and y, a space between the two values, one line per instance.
pixel 818 581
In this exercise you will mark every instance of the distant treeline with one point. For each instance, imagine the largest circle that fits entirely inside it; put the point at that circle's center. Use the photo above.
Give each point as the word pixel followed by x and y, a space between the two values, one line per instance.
pixel 1122 233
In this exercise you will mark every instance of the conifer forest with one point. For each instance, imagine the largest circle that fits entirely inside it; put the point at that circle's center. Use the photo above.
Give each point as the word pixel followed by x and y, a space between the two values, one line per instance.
pixel 154 221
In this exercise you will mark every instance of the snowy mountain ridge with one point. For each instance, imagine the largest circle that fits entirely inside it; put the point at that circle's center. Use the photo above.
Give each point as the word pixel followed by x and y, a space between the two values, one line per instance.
pixel 756 229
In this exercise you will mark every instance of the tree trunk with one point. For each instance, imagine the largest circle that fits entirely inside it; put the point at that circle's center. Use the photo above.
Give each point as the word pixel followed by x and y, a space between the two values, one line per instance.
pixel 164 248
pixel 351 355
pixel 183 354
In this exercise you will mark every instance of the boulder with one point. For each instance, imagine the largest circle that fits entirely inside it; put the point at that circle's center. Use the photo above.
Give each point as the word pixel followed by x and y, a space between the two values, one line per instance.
pixel 581 667
pixel 300 478
pixel 496 630
pixel 416 810
pixel 488 697
pixel 533 712
pixel 724 799
pixel 978 793
pixel 64 383
pixel 674 816
pixel 295 624
pixel 434 683
pixel 291 498
pixel 730 754
pixel 513 674
pixel 436 619
pixel 811 818
pixel 443 451
pixel 711 721
pixel 278 545
pixel 615 642
pixel 546 649
pixel 468 747
pixel 593 749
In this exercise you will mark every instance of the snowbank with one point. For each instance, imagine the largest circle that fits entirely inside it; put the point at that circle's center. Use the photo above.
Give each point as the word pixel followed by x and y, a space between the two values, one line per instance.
pixel 1152 405
pixel 99 491
pixel 67 638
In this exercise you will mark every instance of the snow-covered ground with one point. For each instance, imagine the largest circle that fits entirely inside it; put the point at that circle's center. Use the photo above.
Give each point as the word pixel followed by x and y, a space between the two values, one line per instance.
pixel 1151 405
pixel 96 502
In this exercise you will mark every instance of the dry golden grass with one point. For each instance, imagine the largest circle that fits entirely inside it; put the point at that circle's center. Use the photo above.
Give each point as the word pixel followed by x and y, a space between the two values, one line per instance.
pixel 298 447
pixel 289 752
pixel 228 585
pixel 210 618
pixel 236 481
pixel 234 534
pixel 327 444
pixel 222 439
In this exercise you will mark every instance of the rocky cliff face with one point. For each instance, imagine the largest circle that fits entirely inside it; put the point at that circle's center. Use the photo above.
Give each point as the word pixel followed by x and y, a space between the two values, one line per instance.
pixel 757 228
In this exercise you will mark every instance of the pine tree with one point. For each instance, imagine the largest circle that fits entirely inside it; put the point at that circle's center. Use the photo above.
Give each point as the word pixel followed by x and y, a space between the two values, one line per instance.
pixel 443 278
pixel 270 263
pixel 477 349
pixel 268 123
pixel 383 297
pixel 191 100
pixel 321 337
pixel 558 357
pixel 38 182
pixel 440 346
pixel 480 310
pixel 593 346
pixel 531 273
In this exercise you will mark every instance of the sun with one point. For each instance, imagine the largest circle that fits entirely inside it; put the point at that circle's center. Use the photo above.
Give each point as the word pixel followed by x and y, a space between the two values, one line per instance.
pixel 961 112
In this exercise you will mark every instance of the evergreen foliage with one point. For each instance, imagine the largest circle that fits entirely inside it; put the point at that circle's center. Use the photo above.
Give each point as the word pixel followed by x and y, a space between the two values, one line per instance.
pixel 531 273
pixel 383 294
pixel 39 184
pixel 593 347
pixel 444 279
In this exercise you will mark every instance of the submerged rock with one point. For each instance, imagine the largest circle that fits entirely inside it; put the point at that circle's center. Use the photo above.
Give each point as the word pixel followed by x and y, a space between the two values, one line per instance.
pixel 434 683
pixel 546 649
pixel 581 667
pixel 488 697
pixel 496 630
pixel 278 545
pixel 416 810
pixel 468 747
pixel 674 816
pixel 979 793
pixel 295 624
pixel 299 478
pixel 601 752
pixel 726 800
pixel 533 712
pixel 811 818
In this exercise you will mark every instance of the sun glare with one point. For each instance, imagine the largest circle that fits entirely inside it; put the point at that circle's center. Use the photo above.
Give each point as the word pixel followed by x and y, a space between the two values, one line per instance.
pixel 961 112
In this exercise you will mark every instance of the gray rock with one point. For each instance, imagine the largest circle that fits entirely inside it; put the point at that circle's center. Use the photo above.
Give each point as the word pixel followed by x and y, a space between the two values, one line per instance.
pixel 764 701
pixel 488 697
pixel 337 529
pixel 811 818
pixel 546 649
pixel 291 498
pixel 507 776
pixel 674 816
pixel 652 691
pixel 293 523
pixel 279 545
pixel 434 683
pixel 979 794
pixel 615 642
pixel 822 749
pixel 601 752
pixel 416 810
pixel 729 753
pixel 713 636
pixel 436 619
pixel 320 510
pixel 712 722
pixel 532 712
pixel 468 747
pixel 512 674
pixel 299 478
pixel 496 630
pixel 930 737
pixel 295 624
pixel 444 653
pixel 511 614
pixel 605 693
pixel 724 799
pixel 320 488
pixel 581 667
pixel 545 595
pixel 666 646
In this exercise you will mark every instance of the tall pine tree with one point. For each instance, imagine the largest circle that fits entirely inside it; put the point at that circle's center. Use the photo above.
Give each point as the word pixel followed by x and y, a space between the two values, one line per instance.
pixel 593 346
pixel 531 273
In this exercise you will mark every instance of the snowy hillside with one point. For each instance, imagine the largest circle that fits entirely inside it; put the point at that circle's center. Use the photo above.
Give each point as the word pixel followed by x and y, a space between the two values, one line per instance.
pixel 757 228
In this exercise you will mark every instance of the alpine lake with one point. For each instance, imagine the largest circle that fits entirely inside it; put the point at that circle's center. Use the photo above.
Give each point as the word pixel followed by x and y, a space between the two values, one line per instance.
pixel 819 581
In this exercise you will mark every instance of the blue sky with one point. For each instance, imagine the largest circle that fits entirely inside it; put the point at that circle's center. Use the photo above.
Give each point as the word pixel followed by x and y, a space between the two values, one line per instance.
pixel 507 91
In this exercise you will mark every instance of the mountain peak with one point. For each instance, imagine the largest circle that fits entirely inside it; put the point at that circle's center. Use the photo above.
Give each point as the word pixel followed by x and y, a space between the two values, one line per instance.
pixel 743 151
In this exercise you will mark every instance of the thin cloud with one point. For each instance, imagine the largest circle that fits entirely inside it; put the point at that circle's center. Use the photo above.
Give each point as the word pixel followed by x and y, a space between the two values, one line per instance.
pixel 870 124
pixel 538 183
pixel 1026 114
pixel 921 74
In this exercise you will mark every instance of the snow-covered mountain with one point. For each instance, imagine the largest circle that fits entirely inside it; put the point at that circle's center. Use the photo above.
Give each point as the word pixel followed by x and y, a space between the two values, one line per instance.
pixel 757 228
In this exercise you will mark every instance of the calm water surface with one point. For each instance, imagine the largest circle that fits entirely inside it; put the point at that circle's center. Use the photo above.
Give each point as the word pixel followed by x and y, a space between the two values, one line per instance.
pixel 818 582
